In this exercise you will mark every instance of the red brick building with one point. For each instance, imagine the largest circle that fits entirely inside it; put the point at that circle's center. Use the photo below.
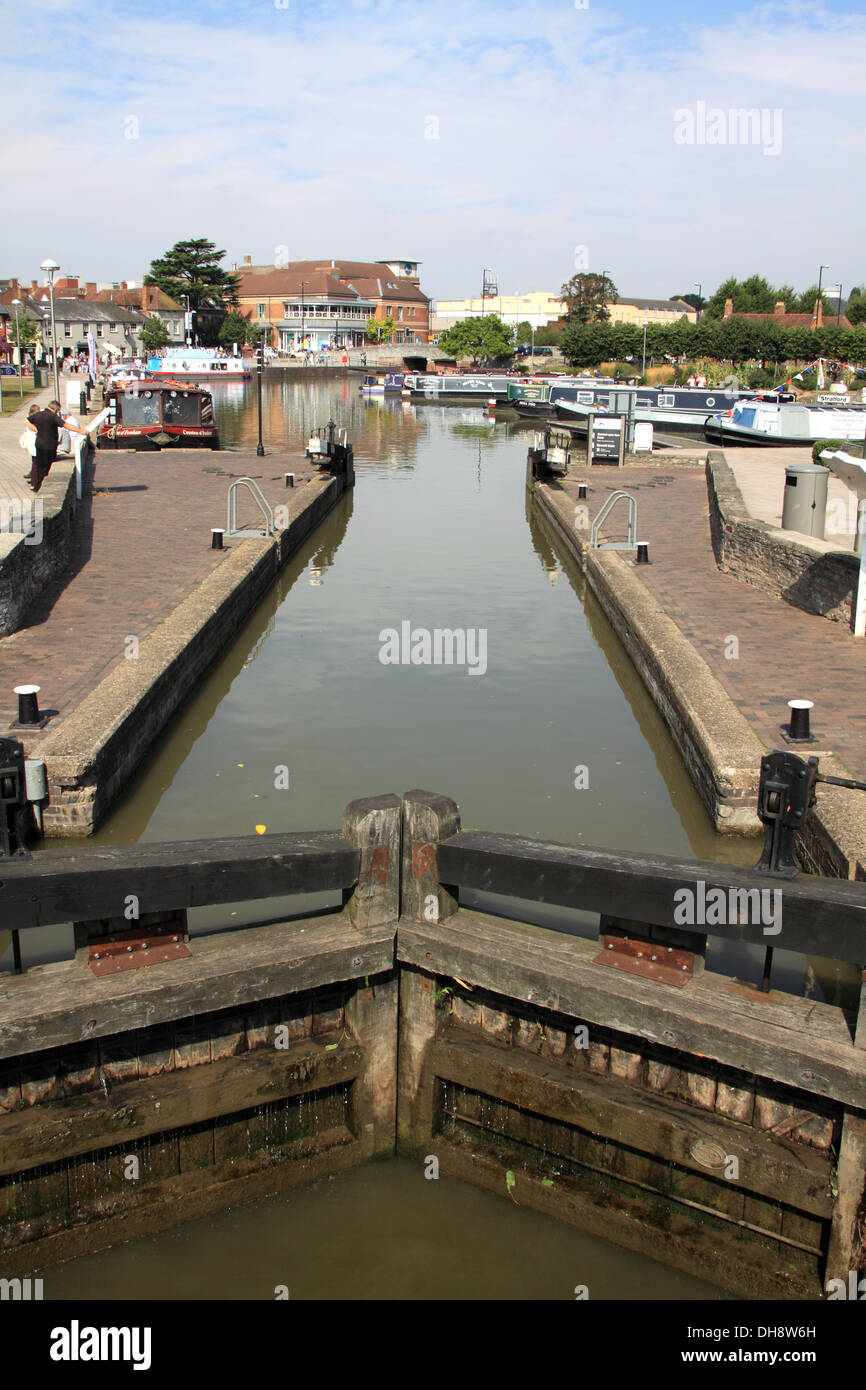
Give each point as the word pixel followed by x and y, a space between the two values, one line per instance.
pixel 786 320
pixel 331 301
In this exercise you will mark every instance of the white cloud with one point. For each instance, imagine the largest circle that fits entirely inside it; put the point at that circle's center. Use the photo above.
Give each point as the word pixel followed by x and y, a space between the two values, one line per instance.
pixel 306 126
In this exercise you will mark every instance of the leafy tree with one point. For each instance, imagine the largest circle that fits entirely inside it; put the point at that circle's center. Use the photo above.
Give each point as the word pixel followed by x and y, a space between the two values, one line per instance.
pixel 549 335
pixel 28 330
pixel 856 310
pixel 192 268
pixel 481 339
pixel 154 335
pixel 586 297
pixel 235 328
pixel 805 303
pixel 587 344
pixel 524 333
pixel 380 330
pixel 697 301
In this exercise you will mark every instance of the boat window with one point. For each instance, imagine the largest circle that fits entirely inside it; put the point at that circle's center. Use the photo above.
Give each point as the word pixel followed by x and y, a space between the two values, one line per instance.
pixel 747 417
pixel 711 400
pixel 180 408
pixel 141 409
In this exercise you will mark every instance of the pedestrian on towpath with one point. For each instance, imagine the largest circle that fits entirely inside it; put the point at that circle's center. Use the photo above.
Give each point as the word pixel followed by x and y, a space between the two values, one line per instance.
pixel 47 424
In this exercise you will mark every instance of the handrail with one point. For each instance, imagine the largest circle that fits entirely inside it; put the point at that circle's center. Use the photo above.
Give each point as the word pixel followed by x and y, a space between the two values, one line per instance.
pixel 260 500
pixel 602 516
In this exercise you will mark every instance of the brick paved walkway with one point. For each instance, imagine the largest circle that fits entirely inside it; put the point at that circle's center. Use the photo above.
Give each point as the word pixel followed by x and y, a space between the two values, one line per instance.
pixel 784 653
pixel 144 544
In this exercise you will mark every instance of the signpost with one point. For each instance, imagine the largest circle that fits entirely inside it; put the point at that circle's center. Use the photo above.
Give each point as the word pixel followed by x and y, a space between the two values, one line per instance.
pixel 605 440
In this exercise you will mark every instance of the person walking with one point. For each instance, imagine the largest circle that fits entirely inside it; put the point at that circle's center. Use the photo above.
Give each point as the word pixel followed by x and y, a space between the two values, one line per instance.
pixel 47 424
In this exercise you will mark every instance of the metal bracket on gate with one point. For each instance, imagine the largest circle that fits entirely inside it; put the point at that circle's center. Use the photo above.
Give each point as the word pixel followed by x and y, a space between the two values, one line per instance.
pixel 640 955
pixel 134 949
pixel 785 794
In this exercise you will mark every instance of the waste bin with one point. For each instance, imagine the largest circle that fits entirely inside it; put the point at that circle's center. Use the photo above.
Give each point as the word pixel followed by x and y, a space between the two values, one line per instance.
pixel 805 505
pixel 39 375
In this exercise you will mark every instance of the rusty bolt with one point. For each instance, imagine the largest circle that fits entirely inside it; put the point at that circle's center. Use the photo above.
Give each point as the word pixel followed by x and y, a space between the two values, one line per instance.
pixel 356 960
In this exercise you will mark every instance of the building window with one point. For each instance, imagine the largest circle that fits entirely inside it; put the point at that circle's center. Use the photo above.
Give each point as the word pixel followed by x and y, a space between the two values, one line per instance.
pixel 263 311
pixel 399 311
pixel 67 330
pixel 114 328
pixel 398 336
pixel 99 329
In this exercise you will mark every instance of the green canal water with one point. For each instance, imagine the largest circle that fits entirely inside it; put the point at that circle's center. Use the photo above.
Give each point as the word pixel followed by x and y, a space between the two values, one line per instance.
pixel 437 533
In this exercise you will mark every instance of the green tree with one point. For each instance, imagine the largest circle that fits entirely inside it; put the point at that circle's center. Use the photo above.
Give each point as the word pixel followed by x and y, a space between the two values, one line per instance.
pixel 856 310
pixel 587 344
pixel 193 268
pixel 154 335
pixel 697 301
pixel 27 332
pixel 524 333
pixel 235 328
pixel 586 297
pixel 380 330
pixel 481 339
pixel 805 303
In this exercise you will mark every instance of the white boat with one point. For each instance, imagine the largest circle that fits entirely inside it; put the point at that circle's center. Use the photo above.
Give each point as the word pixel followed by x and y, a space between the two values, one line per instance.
pixel 759 422
pixel 198 364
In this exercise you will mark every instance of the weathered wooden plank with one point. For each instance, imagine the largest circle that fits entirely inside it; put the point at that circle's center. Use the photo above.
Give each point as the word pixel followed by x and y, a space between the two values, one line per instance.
pixel 742 1266
pixel 818 916
pixel 417 1027
pixel 373 825
pixel 704 1019
pixel 372 1019
pixel 190 1195
pixel 658 1126
pixel 426 894
pixel 68 1004
pixel 162 1103
pixel 845 1250
pixel 90 883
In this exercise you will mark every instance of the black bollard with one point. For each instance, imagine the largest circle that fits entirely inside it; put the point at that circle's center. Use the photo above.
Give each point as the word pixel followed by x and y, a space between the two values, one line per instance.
pixel 290 480
pixel 216 538
pixel 28 706
pixel 642 557
pixel 581 492
pixel 798 729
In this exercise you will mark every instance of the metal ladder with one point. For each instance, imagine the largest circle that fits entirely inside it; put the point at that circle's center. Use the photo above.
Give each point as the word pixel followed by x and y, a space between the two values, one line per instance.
pixel 260 500
pixel 631 543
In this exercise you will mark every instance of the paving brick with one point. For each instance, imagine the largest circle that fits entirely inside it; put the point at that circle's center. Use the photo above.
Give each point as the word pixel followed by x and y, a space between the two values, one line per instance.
pixel 784 653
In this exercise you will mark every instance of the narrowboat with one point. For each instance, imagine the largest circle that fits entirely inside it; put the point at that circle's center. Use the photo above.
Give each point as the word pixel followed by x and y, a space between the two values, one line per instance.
pixel 383 383
pixel 759 422
pixel 197 364
pixel 158 415
pixel 454 386
pixel 671 408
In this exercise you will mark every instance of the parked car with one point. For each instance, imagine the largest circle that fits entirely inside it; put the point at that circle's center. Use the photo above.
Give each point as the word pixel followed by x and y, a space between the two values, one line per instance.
pixel 544 352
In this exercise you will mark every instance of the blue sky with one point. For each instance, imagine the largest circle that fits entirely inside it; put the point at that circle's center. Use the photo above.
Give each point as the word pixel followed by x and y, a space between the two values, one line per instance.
pixel 534 138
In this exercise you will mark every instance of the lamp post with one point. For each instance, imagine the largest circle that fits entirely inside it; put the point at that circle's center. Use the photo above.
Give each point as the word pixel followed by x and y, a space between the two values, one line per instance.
pixel 260 362
pixel 51 267
pixel 701 298
pixel 16 305
pixel 643 359
pixel 302 315
pixel 821 270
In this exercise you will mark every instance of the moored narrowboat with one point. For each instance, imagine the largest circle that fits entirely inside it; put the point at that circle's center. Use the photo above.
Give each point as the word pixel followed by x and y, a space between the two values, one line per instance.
pixel 158 415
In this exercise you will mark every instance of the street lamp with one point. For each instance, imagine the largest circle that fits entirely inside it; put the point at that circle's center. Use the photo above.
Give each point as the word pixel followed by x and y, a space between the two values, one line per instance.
pixel 51 267
pixel 821 270
pixel 701 298
pixel 16 305
pixel 643 359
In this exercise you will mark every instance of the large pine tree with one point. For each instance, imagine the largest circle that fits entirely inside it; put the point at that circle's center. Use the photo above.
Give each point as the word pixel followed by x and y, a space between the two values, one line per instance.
pixel 193 268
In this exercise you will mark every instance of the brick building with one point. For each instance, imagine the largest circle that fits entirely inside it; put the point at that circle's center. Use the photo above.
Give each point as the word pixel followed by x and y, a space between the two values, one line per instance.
pixel 330 302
